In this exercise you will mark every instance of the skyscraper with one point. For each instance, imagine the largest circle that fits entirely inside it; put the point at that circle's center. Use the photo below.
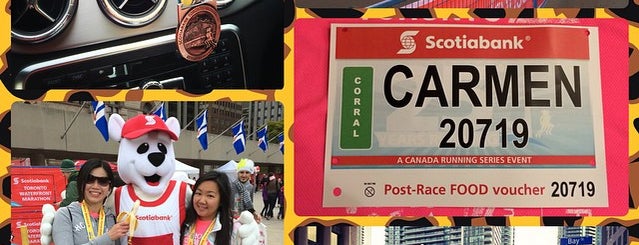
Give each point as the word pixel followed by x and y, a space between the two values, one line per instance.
pixel 578 231
pixel 617 235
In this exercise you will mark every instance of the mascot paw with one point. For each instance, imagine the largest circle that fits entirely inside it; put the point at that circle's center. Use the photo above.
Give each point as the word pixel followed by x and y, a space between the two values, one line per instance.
pixel 249 241
pixel 45 240
pixel 249 230
pixel 246 217
pixel 45 229
pixel 46 225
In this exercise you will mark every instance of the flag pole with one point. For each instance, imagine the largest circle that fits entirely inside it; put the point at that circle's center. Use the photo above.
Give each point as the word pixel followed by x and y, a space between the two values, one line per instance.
pixel 155 107
pixel 278 135
pixel 254 151
pixel 73 120
pixel 269 140
pixel 227 129
pixel 269 155
pixel 188 124
pixel 254 132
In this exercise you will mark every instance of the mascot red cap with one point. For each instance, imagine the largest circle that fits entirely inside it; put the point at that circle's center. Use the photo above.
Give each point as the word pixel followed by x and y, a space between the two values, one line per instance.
pixel 141 124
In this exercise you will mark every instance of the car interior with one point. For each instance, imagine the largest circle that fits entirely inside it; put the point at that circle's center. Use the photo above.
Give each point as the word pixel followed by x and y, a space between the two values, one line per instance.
pixel 131 44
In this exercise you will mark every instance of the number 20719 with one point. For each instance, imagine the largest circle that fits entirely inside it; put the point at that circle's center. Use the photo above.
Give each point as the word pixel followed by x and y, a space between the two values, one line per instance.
pixel 572 188
pixel 466 132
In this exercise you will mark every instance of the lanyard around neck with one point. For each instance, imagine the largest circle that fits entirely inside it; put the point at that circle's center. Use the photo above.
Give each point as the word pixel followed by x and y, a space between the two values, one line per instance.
pixel 204 238
pixel 89 224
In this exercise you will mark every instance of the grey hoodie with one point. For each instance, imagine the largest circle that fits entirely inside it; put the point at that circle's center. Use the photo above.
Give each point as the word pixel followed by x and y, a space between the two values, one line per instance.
pixel 69 227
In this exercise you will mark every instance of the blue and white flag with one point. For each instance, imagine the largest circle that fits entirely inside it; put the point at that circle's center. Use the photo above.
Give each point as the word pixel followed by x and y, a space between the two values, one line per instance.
pixel 239 139
pixel 99 118
pixel 202 130
pixel 161 112
pixel 261 139
pixel 280 138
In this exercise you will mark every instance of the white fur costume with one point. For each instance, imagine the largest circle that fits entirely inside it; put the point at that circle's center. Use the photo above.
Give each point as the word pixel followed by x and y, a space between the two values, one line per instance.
pixel 48 212
pixel 146 163
pixel 249 230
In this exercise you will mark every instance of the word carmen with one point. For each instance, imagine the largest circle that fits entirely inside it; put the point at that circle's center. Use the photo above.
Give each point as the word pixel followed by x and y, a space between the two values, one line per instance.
pixel 508 88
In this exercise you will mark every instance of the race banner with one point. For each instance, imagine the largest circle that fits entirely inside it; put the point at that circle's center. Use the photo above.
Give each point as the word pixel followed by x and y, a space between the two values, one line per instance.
pixel 465 115
pixel 33 189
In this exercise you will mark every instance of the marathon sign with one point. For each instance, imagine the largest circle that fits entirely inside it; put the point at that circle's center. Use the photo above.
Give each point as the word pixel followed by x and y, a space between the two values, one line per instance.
pixel 32 190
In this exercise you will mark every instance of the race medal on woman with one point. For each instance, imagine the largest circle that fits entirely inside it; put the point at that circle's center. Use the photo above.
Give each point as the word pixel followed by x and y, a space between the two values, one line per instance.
pixel 89 224
pixel 198 29
pixel 205 235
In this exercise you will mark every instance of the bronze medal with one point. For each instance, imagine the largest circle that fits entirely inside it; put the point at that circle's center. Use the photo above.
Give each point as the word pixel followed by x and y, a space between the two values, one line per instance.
pixel 198 30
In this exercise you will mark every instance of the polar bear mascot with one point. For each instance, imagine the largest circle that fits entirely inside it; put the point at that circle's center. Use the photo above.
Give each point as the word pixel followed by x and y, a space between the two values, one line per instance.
pixel 152 202
pixel 146 163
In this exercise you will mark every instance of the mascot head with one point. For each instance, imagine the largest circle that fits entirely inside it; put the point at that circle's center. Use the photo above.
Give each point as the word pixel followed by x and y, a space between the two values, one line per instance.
pixel 145 158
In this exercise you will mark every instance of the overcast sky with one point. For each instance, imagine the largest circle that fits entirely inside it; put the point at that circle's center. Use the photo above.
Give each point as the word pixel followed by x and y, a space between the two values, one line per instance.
pixel 534 235
pixel 378 235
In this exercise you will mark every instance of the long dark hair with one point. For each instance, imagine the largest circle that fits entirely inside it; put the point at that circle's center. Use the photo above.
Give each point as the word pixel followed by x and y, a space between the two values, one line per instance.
pixel 223 236
pixel 86 169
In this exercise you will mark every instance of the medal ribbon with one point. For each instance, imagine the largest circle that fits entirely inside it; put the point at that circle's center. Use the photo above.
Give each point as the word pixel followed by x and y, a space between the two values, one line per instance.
pixel 89 224
pixel 188 3
pixel 204 238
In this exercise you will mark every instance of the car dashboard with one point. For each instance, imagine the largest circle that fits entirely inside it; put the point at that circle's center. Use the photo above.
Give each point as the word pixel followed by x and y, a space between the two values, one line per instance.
pixel 120 44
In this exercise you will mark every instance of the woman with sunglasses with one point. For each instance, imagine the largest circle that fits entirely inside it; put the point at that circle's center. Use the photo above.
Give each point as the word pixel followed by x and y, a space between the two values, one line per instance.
pixel 87 221
pixel 208 216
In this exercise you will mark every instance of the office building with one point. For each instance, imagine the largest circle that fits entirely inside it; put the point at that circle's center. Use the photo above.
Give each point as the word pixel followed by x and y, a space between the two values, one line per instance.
pixel 614 235
pixel 468 235
pixel 259 113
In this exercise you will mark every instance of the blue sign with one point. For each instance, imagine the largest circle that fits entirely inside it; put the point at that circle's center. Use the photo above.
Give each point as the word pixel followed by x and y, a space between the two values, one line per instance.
pixel 576 240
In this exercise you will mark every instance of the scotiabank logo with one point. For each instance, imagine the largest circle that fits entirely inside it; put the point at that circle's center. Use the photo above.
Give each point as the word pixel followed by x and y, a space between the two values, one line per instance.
pixel 481 42
pixel 408 42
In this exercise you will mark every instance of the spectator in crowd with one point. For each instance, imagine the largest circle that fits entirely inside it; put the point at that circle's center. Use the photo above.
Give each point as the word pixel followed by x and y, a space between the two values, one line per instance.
pixel 280 200
pixel 263 181
pixel 272 189
pixel 67 167
pixel 264 199
pixel 242 190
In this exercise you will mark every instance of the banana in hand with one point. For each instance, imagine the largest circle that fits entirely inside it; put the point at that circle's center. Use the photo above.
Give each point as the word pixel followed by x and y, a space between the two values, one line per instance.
pixel 130 218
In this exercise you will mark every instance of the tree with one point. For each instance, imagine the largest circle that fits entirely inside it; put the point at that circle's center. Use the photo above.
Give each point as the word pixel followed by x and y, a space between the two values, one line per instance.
pixel 274 129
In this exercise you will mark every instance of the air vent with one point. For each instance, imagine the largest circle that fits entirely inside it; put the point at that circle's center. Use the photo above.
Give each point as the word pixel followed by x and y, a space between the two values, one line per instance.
pixel 132 13
pixel 36 21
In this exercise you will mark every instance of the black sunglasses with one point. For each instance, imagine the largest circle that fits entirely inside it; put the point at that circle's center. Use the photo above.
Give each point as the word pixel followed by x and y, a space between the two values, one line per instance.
pixel 103 181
